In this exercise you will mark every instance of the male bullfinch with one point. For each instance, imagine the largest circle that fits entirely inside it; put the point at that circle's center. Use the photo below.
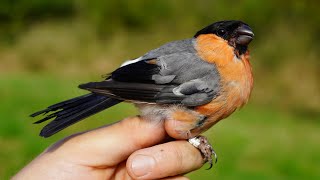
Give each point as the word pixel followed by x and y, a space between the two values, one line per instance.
pixel 188 84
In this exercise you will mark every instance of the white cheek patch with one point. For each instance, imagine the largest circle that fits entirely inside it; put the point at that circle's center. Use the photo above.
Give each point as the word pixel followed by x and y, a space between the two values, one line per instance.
pixel 131 61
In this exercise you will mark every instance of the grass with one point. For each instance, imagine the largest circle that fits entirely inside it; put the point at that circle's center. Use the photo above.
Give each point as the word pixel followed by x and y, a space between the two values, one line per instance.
pixel 254 143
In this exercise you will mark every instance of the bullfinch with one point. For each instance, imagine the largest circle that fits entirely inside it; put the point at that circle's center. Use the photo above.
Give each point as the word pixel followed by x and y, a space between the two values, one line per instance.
pixel 189 85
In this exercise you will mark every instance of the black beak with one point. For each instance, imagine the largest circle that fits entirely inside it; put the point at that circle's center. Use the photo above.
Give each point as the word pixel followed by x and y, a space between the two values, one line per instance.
pixel 244 35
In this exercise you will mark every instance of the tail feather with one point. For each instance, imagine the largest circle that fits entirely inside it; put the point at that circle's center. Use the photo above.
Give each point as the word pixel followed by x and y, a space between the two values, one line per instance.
pixel 71 111
pixel 65 104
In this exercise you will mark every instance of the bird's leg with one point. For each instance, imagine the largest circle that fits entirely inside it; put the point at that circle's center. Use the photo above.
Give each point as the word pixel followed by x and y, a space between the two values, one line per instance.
pixel 207 151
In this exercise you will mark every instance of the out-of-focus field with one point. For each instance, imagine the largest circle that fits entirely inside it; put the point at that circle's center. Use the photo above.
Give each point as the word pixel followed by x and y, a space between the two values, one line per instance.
pixel 47 48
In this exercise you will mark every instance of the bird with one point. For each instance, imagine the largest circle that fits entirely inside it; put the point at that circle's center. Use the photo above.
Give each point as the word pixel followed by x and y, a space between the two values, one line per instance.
pixel 194 82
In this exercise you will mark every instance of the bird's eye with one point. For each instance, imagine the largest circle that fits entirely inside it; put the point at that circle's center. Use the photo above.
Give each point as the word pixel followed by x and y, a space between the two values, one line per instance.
pixel 221 32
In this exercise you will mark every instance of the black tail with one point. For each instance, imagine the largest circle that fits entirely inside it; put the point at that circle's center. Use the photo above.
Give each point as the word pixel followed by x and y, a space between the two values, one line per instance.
pixel 71 111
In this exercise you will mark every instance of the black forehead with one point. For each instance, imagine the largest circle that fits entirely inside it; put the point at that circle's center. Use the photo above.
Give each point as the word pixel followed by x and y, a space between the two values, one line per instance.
pixel 228 26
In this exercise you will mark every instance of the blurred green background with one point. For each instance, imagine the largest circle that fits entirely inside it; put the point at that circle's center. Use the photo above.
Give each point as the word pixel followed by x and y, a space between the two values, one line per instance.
pixel 49 47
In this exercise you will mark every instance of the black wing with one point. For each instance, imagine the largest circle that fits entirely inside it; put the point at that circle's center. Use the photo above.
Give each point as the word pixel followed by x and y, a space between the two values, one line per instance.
pixel 141 71
pixel 150 81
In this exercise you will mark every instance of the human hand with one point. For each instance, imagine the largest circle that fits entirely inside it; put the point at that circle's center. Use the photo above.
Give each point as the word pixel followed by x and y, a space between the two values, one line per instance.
pixel 130 149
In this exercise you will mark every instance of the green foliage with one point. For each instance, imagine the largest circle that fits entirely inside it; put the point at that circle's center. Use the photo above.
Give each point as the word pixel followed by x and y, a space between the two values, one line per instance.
pixel 108 16
pixel 21 10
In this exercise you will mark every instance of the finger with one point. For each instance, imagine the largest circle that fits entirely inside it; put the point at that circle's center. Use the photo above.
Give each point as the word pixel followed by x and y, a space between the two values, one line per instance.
pixel 169 159
pixel 176 178
pixel 110 145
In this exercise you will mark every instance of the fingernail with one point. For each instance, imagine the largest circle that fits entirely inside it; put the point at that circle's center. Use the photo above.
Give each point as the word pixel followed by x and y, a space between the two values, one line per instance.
pixel 142 165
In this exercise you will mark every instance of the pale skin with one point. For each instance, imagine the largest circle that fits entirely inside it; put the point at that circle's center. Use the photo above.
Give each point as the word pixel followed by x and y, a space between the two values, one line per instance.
pixel 129 149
